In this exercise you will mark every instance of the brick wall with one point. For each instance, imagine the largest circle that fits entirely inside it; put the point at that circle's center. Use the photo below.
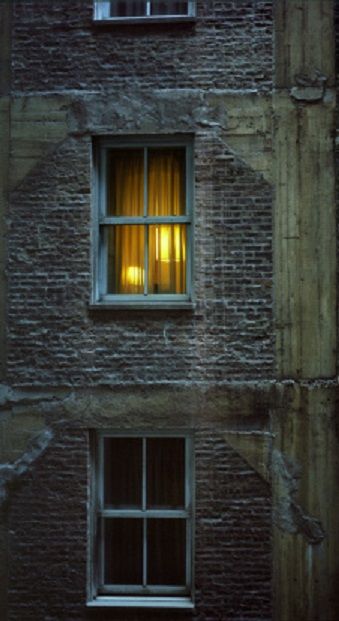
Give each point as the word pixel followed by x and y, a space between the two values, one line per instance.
pixel 230 46
pixel 55 339
pixel 138 80
pixel 49 549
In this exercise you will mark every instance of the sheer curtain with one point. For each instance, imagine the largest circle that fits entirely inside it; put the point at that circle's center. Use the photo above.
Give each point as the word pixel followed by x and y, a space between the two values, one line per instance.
pixel 166 243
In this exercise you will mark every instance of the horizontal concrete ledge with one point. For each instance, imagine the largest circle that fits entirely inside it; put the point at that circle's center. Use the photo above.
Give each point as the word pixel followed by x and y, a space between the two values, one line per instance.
pixel 141 602
pixel 137 306
pixel 141 21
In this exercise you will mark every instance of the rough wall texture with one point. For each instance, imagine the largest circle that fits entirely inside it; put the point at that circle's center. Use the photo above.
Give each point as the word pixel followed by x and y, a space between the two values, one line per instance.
pixel 55 339
pixel 49 544
pixel 73 81
pixel 229 45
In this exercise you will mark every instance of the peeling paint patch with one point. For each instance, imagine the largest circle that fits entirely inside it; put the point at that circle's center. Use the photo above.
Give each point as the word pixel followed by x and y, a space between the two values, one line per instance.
pixel 11 472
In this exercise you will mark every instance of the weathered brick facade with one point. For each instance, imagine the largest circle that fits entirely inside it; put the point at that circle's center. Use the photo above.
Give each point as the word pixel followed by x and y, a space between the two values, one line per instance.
pixel 73 369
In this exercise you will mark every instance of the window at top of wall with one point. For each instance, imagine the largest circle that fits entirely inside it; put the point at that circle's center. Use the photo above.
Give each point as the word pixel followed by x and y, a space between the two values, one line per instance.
pixel 144 220
pixel 144 9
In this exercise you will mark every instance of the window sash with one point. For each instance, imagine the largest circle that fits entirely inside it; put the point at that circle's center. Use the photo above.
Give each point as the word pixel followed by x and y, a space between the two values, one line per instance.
pixel 102 11
pixel 104 221
pixel 103 514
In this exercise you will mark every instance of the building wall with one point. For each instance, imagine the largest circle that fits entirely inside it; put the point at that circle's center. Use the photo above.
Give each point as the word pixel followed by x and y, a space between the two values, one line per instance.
pixel 56 339
pixel 228 47
pixel 49 544
pixel 72 369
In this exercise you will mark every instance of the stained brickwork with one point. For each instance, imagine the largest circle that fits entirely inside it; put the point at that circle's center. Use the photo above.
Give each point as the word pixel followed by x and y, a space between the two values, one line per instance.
pixel 49 546
pixel 72 82
pixel 57 340
pixel 230 45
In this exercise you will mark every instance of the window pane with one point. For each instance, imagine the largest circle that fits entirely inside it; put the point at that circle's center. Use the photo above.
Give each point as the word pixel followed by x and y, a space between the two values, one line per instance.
pixel 128 8
pixel 123 551
pixel 125 261
pixel 125 176
pixel 166 551
pixel 122 472
pixel 165 473
pixel 169 7
pixel 167 258
pixel 166 182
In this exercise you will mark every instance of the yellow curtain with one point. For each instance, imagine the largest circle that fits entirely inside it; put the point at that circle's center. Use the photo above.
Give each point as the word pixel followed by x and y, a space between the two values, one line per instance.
pixel 126 182
pixel 166 242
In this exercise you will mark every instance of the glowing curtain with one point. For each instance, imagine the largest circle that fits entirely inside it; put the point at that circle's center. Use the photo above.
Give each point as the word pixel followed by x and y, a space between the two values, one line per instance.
pixel 166 242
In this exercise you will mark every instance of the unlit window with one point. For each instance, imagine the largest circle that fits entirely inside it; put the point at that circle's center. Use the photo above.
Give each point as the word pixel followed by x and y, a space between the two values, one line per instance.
pixel 144 518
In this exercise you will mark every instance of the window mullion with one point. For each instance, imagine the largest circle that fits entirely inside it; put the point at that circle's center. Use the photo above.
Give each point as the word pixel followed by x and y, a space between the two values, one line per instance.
pixel 148 8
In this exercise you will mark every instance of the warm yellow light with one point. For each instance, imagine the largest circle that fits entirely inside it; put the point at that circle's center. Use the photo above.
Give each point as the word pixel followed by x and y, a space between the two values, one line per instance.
pixel 134 275
pixel 163 242
pixel 179 248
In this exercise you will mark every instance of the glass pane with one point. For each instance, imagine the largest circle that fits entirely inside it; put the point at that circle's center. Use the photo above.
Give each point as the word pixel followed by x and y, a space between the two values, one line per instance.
pixel 167 258
pixel 169 7
pixel 123 551
pixel 166 551
pixel 166 182
pixel 125 187
pixel 122 472
pixel 125 260
pixel 128 8
pixel 165 473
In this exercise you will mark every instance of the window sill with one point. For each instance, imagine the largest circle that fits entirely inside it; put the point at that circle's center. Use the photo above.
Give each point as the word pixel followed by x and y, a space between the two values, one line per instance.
pixel 134 305
pixel 141 602
pixel 159 19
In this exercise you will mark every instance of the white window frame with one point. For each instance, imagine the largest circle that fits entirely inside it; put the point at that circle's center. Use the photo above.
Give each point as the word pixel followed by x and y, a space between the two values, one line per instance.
pixel 102 13
pixel 100 296
pixel 157 596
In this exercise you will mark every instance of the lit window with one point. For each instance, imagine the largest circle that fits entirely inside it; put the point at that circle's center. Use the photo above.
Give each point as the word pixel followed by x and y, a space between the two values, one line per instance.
pixel 143 521
pixel 144 223
pixel 126 9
